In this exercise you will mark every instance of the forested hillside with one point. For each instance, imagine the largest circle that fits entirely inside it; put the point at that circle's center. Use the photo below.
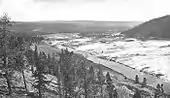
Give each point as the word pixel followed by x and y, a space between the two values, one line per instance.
pixel 159 28
pixel 28 71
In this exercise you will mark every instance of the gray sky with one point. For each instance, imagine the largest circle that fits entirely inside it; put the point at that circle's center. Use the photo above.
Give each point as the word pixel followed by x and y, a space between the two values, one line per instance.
pixel 104 10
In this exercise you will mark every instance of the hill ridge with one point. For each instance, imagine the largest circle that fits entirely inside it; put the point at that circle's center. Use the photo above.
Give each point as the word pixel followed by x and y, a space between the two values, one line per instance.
pixel 157 27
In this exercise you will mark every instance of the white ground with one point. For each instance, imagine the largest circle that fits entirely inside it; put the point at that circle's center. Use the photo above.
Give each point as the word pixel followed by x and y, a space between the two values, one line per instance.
pixel 137 54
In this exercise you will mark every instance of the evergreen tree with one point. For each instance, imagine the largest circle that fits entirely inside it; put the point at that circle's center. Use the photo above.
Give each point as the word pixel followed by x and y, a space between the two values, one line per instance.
pixel 20 60
pixel 162 89
pixel 20 66
pixel 144 82
pixel 136 79
pixel 67 73
pixel 7 49
pixel 93 83
pixel 101 80
pixel 158 87
pixel 110 86
pixel 56 73
pixel 137 94
pixel 51 63
pixel 39 73
pixel 108 78
pixel 83 75
pixel 156 95
pixel 91 74
pixel 29 54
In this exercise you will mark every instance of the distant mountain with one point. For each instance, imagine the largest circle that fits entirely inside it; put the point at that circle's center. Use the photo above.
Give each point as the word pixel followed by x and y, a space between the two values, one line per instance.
pixel 156 28
pixel 44 27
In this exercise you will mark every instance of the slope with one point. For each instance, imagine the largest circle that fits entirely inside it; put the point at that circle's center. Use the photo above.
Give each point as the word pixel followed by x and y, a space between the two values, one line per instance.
pixel 157 28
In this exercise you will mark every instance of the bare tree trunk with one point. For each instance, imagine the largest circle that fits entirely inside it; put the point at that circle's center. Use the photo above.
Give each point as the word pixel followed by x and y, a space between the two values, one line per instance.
pixel 101 90
pixel 39 93
pixel 59 82
pixel 86 92
pixel 59 88
pixel 110 95
pixel 23 75
pixel 39 88
pixel 32 68
pixel 7 76
pixel 8 83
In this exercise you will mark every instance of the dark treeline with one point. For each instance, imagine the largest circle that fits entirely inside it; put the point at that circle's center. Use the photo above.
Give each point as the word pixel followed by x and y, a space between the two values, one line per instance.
pixel 74 78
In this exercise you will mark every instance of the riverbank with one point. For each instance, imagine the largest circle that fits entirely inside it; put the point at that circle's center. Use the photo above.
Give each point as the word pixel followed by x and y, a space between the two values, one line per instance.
pixel 130 72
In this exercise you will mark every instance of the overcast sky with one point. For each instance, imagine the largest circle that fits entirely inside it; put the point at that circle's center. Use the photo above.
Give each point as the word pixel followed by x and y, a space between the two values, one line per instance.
pixel 105 10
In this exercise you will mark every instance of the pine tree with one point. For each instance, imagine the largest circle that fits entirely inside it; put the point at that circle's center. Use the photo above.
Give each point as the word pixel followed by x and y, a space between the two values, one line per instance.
pixel 91 74
pixel 101 80
pixel 108 78
pixel 7 49
pixel 136 79
pixel 51 62
pixel 144 82
pixel 20 66
pixel 20 60
pixel 55 67
pixel 67 73
pixel 57 74
pixel 162 88
pixel 110 86
pixel 39 73
pixel 137 94
pixel 87 75
pixel 158 87
pixel 83 73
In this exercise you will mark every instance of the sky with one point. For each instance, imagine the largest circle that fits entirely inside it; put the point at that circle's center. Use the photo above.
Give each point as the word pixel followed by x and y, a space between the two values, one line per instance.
pixel 102 10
